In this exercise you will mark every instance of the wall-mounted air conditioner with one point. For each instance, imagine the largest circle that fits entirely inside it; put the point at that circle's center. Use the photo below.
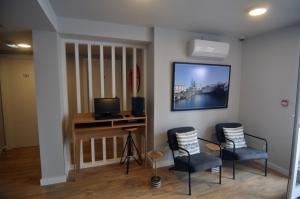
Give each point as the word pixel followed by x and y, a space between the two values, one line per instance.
pixel 208 49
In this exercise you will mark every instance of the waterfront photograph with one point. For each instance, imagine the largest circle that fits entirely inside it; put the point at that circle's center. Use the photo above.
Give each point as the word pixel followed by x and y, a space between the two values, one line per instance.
pixel 200 86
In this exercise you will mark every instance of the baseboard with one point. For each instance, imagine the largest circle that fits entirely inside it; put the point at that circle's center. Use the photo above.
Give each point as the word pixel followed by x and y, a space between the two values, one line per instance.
pixel 53 180
pixel 271 165
pixel 275 167
pixel 279 169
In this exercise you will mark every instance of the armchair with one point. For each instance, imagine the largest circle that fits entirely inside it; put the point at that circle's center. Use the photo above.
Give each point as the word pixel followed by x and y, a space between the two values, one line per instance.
pixel 240 154
pixel 192 163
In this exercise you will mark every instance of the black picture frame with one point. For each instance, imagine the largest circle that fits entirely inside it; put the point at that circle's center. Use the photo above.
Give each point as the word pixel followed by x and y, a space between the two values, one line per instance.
pixel 175 107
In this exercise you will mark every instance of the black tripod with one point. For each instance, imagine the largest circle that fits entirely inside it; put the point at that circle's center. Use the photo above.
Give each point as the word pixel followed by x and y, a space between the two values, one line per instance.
pixel 130 145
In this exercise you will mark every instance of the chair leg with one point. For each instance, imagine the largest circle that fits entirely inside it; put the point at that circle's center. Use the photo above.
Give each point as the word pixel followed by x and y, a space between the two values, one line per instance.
pixel 266 167
pixel 233 169
pixel 220 175
pixel 190 192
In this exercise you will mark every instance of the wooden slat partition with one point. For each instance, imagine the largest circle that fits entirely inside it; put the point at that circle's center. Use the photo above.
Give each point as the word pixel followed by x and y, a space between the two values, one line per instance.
pixel 90 79
pixel 113 71
pixel 124 87
pixel 134 73
pixel 124 78
pixel 115 147
pixel 145 75
pixel 93 150
pixel 81 153
pixel 104 148
pixel 105 160
pixel 77 71
pixel 101 71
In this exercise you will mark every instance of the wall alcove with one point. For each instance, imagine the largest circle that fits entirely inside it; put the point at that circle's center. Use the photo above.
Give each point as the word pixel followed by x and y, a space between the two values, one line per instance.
pixel 100 69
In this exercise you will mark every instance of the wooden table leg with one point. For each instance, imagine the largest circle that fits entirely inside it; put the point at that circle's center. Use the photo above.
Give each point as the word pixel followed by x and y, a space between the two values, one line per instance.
pixel 74 155
pixel 77 156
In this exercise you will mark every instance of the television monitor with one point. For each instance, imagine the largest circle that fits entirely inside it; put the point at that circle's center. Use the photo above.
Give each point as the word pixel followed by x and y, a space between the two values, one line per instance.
pixel 106 108
pixel 199 86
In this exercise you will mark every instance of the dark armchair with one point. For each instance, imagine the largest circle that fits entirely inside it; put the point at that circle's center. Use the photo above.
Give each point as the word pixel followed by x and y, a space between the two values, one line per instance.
pixel 240 154
pixel 192 163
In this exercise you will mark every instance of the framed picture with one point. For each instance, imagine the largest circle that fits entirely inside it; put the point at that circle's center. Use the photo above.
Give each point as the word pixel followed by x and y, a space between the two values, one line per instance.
pixel 198 86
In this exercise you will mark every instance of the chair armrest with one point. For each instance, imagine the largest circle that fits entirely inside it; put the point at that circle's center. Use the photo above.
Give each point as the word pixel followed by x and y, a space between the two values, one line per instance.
pixel 255 137
pixel 208 141
pixel 232 142
pixel 259 138
pixel 212 143
pixel 189 157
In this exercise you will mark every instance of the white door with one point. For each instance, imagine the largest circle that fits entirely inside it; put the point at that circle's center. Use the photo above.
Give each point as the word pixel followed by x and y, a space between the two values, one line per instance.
pixel 294 177
pixel 19 103
pixel 2 133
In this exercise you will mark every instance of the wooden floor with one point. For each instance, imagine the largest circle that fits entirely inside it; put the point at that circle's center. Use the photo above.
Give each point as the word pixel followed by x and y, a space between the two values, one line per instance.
pixel 20 175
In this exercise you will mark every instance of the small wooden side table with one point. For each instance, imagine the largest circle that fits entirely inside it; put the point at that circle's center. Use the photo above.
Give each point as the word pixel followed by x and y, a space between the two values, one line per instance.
pixel 213 148
pixel 154 156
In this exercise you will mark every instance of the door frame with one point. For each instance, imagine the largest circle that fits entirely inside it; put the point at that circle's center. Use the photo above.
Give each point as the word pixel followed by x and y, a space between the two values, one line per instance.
pixel 293 190
pixel 4 147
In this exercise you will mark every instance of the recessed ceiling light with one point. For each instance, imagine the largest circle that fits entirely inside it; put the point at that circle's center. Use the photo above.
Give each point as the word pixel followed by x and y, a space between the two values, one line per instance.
pixel 257 11
pixel 11 45
pixel 23 45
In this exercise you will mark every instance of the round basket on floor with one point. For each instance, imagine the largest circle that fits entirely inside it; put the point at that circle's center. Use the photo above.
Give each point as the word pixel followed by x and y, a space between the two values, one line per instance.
pixel 155 181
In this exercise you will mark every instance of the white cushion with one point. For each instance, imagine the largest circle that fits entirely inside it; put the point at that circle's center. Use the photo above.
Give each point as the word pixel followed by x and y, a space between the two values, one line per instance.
pixel 188 141
pixel 236 135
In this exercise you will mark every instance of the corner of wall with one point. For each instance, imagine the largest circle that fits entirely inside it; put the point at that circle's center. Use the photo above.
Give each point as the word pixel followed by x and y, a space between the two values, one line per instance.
pixel 53 180
pixel 49 107
pixel 150 93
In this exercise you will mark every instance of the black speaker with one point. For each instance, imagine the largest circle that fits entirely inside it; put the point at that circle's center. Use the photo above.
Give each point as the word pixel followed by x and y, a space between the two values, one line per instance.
pixel 138 104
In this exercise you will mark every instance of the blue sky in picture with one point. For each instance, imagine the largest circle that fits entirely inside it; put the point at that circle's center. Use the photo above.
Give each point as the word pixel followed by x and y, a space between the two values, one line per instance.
pixel 202 74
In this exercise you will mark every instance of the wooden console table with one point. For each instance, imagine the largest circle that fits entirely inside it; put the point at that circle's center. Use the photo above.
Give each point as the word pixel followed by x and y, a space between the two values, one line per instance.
pixel 86 127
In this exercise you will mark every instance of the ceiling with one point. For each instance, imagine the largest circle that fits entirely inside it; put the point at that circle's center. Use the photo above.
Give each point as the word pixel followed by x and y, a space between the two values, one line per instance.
pixel 210 16
pixel 16 15
pixel 17 19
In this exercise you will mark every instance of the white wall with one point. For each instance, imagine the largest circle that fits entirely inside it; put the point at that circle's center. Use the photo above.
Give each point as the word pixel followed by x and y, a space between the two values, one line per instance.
pixel 171 45
pixel 18 100
pixel 49 106
pixel 270 72
pixel 150 94
pixel 103 29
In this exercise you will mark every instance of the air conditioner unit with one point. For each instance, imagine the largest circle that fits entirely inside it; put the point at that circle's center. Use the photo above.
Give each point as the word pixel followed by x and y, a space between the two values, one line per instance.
pixel 208 49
